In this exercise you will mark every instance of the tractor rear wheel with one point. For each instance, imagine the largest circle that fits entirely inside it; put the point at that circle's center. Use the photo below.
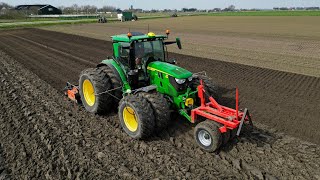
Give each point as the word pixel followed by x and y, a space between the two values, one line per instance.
pixel 208 135
pixel 94 81
pixel 161 108
pixel 136 116
pixel 116 83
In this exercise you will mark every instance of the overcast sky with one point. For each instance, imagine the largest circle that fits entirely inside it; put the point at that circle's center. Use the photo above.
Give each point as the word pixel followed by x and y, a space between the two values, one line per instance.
pixel 174 4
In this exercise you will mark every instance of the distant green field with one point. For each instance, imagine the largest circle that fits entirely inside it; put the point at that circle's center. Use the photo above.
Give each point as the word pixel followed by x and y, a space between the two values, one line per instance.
pixel 37 22
pixel 267 13
pixel 33 22
pixel 27 20
pixel 11 25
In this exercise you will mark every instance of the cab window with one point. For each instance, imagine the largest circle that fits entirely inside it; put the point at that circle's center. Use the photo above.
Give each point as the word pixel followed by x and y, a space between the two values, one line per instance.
pixel 148 49
pixel 124 53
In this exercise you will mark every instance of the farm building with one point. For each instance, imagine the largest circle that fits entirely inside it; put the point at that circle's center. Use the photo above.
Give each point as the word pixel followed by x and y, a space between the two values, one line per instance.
pixel 3 10
pixel 38 9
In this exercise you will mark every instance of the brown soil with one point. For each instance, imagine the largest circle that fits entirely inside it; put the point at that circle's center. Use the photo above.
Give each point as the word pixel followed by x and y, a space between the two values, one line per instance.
pixel 288 44
pixel 3 169
pixel 45 136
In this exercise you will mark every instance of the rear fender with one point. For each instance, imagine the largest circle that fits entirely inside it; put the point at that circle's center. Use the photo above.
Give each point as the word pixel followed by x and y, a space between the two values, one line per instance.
pixel 118 72
pixel 113 69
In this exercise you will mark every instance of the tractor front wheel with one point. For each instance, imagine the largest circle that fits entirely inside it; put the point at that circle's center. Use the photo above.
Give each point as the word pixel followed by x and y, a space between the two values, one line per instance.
pixel 208 136
pixel 136 116
pixel 161 108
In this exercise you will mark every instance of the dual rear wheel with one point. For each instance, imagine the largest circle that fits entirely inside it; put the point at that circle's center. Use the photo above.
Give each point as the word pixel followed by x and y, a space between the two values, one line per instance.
pixel 95 84
pixel 136 116
pixel 143 113
pixel 140 114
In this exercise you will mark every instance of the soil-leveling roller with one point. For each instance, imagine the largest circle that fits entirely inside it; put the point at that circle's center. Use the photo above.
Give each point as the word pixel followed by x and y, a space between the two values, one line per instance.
pixel 147 88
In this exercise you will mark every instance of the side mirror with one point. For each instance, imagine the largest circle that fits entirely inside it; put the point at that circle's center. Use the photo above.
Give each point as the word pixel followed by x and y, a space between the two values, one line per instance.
pixel 178 43
pixel 172 61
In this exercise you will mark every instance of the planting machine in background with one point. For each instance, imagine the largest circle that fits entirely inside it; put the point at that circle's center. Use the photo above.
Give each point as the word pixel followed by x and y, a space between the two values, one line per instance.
pixel 127 16
pixel 147 88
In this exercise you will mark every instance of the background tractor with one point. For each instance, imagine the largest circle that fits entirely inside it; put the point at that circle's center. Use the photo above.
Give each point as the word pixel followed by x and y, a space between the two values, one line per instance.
pixel 147 87
pixel 127 16
pixel 102 19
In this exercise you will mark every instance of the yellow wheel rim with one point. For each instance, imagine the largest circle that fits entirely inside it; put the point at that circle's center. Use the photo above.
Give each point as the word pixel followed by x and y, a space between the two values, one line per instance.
pixel 88 92
pixel 130 119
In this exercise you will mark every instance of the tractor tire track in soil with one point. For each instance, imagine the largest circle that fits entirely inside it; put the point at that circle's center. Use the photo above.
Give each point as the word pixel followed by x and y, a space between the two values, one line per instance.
pixel 45 136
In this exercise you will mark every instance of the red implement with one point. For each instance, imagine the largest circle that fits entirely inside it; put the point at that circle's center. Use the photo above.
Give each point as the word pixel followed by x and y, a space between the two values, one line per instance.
pixel 228 117
pixel 72 92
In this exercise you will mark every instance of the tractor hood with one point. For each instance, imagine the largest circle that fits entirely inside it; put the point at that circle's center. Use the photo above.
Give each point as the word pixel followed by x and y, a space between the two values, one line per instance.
pixel 169 69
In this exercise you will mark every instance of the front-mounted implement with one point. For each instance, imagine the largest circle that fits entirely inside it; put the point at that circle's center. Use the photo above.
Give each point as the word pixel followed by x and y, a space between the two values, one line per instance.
pixel 147 87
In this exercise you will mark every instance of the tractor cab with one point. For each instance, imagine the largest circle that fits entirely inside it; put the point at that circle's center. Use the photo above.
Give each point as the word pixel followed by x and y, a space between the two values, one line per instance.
pixel 135 51
pixel 141 63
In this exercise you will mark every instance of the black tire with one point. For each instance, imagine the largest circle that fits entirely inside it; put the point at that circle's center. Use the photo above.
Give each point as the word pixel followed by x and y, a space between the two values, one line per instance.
pixel 115 84
pixel 135 17
pixel 160 107
pixel 174 15
pixel 226 135
pixel 210 87
pixel 208 136
pixel 101 82
pixel 143 115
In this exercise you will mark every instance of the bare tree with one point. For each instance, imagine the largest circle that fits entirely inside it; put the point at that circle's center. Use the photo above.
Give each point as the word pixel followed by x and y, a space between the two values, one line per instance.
pixel 33 10
pixel 5 5
pixel 232 8
pixel 67 10
pixel 75 8
pixel 61 8
pixel 108 9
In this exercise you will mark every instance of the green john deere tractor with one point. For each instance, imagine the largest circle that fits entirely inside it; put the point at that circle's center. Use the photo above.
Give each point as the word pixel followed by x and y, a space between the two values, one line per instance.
pixel 147 87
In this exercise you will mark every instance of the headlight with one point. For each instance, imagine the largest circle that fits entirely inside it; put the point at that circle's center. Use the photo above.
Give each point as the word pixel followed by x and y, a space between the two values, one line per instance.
pixel 190 78
pixel 180 81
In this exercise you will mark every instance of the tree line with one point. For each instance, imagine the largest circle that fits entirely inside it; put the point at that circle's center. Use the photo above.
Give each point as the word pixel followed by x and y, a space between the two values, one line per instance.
pixel 88 9
pixel 91 9
pixel 5 5
pixel 296 8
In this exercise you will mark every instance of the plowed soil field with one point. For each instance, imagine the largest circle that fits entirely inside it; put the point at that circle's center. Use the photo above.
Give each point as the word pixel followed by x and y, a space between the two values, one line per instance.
pixel 289 44
pixel 44 136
